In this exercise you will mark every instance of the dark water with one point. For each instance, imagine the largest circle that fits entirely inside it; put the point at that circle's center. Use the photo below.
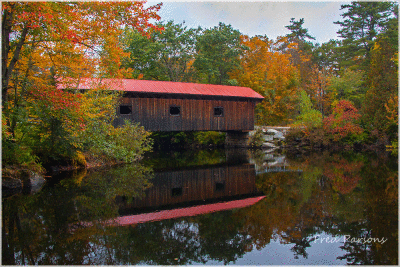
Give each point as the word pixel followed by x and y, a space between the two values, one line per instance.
pixel 212 207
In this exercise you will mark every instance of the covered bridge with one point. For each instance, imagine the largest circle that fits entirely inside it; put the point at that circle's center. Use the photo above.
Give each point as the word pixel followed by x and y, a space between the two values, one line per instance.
pixel 177 106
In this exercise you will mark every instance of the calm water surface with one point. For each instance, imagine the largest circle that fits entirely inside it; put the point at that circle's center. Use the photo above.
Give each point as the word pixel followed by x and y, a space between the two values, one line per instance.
pixel 212 207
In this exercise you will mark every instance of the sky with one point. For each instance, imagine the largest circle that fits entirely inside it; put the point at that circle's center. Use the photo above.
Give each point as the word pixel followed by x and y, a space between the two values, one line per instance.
pixel 257 17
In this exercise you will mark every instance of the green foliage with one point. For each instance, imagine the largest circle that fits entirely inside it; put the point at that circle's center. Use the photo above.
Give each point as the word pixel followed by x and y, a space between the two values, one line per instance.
pixel 326 55
pixel 15 152
pixel 169 140
pixel 49 132
pixel 382 85
pixel 143 61
pixel 209 138
pixel 350 86
pixel 177 140
pixel 40 122
pixel 165 56
pixel 217 54
pixel 308 117
pixel 101 139
pixel 363 21
pixel 297 30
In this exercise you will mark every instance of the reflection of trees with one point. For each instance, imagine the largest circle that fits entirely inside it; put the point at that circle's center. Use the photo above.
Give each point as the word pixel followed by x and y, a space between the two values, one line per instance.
pixel 37 227
pixel 184 241
pixel 43 229
pixel 332 193
pixel 165 242
pixel 187 158
pixel 222 238
pixel 297 207
pixel 344 174
pixel 380 216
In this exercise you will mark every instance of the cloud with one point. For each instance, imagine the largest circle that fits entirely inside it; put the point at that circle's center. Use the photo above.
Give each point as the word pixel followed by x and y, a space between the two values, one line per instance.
pixel 257 18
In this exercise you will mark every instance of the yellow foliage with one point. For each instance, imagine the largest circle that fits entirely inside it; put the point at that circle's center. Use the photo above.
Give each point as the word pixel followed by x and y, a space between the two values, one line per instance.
pixel 271 74
pixel 79 159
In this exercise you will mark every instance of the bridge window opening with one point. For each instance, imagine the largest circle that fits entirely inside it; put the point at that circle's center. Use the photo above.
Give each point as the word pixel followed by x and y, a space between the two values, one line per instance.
pixel 176 192
pixel 219 186
pixel 174 110
pixel 218 111
pixel 125 110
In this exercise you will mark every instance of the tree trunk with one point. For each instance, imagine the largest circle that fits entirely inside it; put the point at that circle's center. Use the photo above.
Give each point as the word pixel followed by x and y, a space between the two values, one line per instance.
pixel 7 71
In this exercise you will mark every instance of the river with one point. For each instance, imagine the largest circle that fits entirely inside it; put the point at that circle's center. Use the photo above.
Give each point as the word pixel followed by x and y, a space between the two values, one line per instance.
pixel 211 207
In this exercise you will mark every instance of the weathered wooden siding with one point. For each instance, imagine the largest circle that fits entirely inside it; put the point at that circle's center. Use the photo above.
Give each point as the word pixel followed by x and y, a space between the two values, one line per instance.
pixel 196 114
pixel 175 187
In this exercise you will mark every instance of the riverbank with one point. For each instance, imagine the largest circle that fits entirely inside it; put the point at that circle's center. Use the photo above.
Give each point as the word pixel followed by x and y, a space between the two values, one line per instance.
pixel 266 138
pixel 18 179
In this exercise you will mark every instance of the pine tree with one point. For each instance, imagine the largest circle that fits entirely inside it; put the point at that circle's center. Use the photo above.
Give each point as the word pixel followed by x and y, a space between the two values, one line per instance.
pixel 363 22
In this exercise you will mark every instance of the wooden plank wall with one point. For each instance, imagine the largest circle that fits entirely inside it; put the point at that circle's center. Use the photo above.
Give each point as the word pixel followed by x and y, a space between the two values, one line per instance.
pixel 197 185
pixel 196 115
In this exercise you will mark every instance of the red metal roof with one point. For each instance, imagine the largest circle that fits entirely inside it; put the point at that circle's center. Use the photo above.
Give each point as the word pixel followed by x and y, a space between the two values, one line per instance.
pixel 162 87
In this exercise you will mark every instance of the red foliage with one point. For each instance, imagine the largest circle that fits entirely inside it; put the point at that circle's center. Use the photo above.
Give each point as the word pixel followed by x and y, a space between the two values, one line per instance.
pixel 55 99
pixel 343 121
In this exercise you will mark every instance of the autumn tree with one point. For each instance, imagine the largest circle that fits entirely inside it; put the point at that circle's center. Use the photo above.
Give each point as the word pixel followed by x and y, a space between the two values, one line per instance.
pixel 382 89
pixel 270 73
pixel 343 124
pixel 43 42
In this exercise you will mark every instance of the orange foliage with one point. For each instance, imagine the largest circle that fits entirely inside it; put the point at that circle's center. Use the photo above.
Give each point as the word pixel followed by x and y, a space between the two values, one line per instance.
pixel 70 38
pixel 271 74
pixel 316 88
pixel 45 41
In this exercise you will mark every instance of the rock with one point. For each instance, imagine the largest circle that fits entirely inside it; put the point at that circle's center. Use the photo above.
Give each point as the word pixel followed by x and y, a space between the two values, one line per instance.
pixel 267 152
pixel 272 131
pixel 276 134
pixel 267 144
pixel 11 183
pixel 268 138
pixel 35 182
pixel 10 186
pixel 28 183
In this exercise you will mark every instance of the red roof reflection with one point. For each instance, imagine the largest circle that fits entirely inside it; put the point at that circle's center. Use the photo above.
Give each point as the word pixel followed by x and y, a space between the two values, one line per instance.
pixel 185 212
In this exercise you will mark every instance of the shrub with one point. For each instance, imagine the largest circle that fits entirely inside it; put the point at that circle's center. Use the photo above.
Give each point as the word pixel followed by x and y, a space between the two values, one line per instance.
pixel 342 125
pixel 97 136
pixel 257 138
pixel 308 117
pixel 209 138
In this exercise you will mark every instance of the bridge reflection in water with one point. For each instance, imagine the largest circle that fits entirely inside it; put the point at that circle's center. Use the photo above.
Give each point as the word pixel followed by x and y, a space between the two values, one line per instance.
pixel 190 191
pixel 201 188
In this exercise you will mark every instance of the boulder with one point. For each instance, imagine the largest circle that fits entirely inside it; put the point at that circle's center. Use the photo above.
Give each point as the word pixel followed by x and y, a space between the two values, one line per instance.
pixel 276 134
pixel 35 182
pixel 268 138
pixel 267 144
pixel 10 186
